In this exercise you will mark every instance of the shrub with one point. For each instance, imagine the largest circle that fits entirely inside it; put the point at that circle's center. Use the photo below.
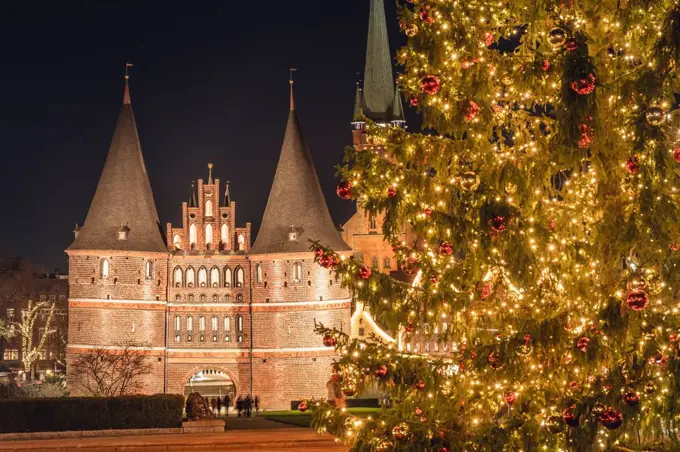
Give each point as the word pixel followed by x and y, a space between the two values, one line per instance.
pixel 91 413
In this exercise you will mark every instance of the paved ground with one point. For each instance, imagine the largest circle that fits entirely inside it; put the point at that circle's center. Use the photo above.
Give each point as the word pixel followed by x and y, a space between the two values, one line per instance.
pixel 258 437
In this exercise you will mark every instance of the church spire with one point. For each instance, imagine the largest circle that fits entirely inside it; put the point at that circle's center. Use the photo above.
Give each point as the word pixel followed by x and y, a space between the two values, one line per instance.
pixel 398 110
pixel 210 178
pixel 296 202
pixel 358 116
pixel 193 199
pixel 123 195
pixel 292 96
pixel 378 95
pixel 227 196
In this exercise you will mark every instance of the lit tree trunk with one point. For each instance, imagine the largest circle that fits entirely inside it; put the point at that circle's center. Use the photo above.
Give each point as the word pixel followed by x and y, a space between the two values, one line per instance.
pixel 26 328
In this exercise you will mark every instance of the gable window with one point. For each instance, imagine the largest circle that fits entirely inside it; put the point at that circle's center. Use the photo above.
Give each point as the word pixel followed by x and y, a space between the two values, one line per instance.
pixel 208 236
pixel 227 277
pixel 177 323
pixel 148 270
pixel 227 323
pixel 239 324
pixel 239 277
pixel 224 236
pixel 177 241
pixel 258 273
pixel 215 277
pixel 208 208
pixel 297 272
pixel 213 323
pixel 190 323
pixel 177 277
pixel 191 277
pixel 201 323
pixel 193 236
pixel 241 242
pixel 202 277
pixel 105 268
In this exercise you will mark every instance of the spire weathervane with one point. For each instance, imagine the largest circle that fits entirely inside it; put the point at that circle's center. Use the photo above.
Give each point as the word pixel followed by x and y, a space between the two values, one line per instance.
pixel 290 80
pixel 126 94
pixel 127 66
pixel 210 167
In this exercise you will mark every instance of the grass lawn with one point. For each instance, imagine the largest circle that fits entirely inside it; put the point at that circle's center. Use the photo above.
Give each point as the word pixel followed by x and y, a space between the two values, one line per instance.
pixel 300 419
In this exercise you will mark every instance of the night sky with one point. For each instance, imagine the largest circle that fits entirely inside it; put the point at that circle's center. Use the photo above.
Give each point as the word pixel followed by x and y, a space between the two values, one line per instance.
pixel 209 84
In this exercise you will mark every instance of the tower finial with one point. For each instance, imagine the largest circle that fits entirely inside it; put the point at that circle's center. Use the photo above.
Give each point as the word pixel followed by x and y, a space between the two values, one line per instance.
pixel 292 98
pixel 126 93
pixel 210 179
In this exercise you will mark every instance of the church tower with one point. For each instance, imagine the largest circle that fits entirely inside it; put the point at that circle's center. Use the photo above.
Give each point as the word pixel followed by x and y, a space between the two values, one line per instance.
pixel 291 291
pixel 118 262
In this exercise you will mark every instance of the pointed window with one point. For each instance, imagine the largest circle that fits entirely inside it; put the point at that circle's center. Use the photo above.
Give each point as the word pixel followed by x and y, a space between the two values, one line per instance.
pixel 227 324
pixel 241 242
pixel 227 277
pixel 213 323
pixel 148 270
pixel 208 208
pixel 202 277
pixel 177 323
pixel 208 236
pixel 215 277
pixel 201 323
pixel 177 241
pixel 190 323
pixel 258 273
pixel 193 237
pixel 239 277
pixel 105 268
pixel 239 324
pixel 374 262
pixel 224 236
pixel 191 277
pixel 297 272
pixel 388 263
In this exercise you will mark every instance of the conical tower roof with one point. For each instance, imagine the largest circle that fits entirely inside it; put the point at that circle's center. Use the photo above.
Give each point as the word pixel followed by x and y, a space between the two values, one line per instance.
pixel 378 79
pixel 358 116
pixel 123 196
pixel 296 202
pixel 398 112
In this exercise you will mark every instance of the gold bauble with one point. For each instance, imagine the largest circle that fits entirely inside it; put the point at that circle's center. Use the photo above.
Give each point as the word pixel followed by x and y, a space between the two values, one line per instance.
pixel 507 80
pixel 510 188
pixel 652 282
pixel 469 181
pixel 557 37
pixel 411 30
pixel 655 116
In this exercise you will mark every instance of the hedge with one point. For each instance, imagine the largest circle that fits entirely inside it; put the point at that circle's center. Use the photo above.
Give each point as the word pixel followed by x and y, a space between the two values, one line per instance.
pixel 91 413
pixel 349 403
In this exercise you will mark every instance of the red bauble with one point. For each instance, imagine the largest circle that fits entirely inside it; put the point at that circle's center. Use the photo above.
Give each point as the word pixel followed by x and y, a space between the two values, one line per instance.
pixel 631 398
pixel 409 267
pixel 400 431
pixel 674 246
pixel 430 84
pixel 418 411
pixel 611 419
pixel 319 252
pixel 326 261
pixel 471 111
pixel 586 135
pixel 414 101
pixel 583 344
pixel 495 361
pixel 427 212
pixel 673 337
pixel 510 398
pixel 488 38
pixel 676 154
pixel 364 272
pixel 445 248
pixel 632 165
pixel 337 377
pixel 571 45
pixel 344 189
pixel 420 384
pixel 381 371
pixel 303 406
pixel 487 290
pixel 584 86
pixel 569 417
pixel 391 192
pixel 497 224
pixel 545 65
pixel 329 341
pixel 637 300
pixel 425 15
pixel 409 328
pixel 434 279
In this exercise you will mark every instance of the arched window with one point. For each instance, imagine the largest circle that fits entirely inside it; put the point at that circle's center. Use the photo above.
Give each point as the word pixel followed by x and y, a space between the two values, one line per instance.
pixel 177 323
pixel 297 272
pixel 105 268
pixel 239 277
pixel 227 277
pixel 388 262
pixel 215 277
pixel 202 277
pixel 177 241
pixel 239 324
pixel 241 242
pixel 213 323
pixel 190 323
pixel 227 324
pixel 193 237
pixel 258 273
pixel 208 236
pixel 224 236
pixel 201 323
pixel 148 270
pixel 208 208
pixel 177 277
pixel 191 277
pixel 374 262
pixel 372 223
pixel 239 297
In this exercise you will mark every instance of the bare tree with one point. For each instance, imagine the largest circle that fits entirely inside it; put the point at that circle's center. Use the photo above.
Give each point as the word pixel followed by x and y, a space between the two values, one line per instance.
pixel 6 331
pixel 30 349
pixel 105 372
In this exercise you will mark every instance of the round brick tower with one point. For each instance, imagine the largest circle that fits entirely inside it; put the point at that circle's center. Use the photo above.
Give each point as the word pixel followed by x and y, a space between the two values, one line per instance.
pixel 291 292
pixel 118 264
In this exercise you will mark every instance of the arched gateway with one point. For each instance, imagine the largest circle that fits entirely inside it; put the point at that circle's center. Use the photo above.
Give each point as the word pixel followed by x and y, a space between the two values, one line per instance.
pixel 210 383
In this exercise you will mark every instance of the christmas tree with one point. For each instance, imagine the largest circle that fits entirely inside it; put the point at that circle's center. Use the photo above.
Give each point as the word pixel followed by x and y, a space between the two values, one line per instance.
pixel 543 192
